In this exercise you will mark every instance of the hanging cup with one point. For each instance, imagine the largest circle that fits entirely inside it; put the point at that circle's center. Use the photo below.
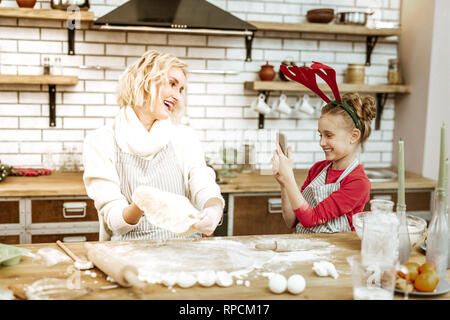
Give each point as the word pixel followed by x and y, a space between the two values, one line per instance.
pixel 304 105
pixel 281 105
pixel 259 105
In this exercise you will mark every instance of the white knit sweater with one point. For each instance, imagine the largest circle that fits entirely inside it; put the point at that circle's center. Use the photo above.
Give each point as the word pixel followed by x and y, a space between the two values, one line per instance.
pixel 102 180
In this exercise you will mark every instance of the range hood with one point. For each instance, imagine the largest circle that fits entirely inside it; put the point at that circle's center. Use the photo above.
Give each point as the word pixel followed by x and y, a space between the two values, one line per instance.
pixel 182 16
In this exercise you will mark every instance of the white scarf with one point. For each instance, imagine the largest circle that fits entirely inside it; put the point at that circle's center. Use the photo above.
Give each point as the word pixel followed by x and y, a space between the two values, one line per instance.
pixel 132 137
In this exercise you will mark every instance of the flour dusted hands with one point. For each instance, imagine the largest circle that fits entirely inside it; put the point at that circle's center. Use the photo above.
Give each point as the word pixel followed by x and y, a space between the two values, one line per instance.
pixel 209 219
pixel 282 166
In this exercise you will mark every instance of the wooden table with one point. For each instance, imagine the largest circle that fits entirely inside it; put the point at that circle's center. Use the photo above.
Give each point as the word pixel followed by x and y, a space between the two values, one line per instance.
pixel 318 288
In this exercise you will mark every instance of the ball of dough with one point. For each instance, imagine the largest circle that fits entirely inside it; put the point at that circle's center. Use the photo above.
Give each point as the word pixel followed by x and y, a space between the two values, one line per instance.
pixel 224 279
pixel 277 283
pixel 186 280
pixel 169 280
pixel 206 278
pixel 296 284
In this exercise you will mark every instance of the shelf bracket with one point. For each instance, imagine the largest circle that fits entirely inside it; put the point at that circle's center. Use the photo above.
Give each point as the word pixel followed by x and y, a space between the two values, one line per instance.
pixel 261 116
pixel 381 101
pixel 371 41
pixel 52 104
pixel 71 36
pixel 248 46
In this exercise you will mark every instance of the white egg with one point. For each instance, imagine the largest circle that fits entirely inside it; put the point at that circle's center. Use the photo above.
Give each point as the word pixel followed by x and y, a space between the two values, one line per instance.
pixel 296 284
pixel 277 283
pixel 224 279
pixel 186 280
pixel 206 278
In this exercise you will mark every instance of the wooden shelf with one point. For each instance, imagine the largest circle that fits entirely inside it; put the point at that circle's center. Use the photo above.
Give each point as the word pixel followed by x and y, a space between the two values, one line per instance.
pixel 39 79
pixel 326 28
pixel 49 14
pixel 343 87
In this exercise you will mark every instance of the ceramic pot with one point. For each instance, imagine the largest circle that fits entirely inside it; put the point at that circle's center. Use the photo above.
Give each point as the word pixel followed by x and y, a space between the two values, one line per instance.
pixel 267 73
pixel 26 3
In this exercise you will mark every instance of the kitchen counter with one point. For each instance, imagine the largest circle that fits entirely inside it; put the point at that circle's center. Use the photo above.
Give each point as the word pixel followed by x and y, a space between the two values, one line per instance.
pixel 319 288
pixel 71 184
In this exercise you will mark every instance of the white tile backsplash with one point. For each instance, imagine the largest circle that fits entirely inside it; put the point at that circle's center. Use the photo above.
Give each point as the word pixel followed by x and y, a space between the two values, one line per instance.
pixel 218 105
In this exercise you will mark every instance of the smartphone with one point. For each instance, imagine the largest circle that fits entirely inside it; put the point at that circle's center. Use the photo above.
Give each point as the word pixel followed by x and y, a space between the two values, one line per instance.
pixel 281 140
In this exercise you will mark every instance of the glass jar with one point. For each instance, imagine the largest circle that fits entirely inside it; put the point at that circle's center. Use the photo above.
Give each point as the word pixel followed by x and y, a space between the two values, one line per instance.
pixel 356 73
pixel 394 73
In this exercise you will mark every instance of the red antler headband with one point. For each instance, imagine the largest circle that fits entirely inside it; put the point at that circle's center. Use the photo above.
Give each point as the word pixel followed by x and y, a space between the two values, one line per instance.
pixel 307 77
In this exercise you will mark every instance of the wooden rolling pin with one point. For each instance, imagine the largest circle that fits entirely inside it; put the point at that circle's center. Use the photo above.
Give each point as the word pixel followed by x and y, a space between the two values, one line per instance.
pixel 290 245
pixel 123 273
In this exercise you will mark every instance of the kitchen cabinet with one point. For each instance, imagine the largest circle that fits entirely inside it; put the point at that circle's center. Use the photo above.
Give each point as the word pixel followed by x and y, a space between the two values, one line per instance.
pixel 47 219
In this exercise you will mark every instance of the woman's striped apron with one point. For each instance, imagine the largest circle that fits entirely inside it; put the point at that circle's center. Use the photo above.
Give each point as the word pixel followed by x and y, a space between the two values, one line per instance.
pixel 161 172
pixel 316 192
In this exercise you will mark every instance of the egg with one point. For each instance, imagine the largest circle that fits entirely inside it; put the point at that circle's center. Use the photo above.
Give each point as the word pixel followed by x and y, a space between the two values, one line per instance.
pixel 277 283
pixel 296 284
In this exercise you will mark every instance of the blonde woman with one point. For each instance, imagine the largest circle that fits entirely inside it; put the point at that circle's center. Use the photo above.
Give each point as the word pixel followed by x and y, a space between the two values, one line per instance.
pixel 146 145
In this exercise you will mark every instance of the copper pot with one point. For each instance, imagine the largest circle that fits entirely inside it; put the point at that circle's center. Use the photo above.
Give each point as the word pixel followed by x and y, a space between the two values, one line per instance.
pixel 26 3
pixel 267 72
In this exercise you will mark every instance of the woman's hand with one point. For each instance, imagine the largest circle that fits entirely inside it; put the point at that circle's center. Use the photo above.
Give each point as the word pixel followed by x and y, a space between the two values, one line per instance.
pixel 282 165
pixel 209 219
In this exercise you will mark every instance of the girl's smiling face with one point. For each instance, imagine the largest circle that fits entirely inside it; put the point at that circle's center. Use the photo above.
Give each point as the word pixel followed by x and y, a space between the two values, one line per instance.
pixel 170 94
pixel 337 141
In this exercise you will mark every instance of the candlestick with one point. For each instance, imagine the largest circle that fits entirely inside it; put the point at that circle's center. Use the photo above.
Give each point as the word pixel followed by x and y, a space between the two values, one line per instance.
pixel 401 175
pixel 442 157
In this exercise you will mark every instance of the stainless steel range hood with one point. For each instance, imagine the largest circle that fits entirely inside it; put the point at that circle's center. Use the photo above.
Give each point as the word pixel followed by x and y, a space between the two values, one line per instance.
pixel 182 16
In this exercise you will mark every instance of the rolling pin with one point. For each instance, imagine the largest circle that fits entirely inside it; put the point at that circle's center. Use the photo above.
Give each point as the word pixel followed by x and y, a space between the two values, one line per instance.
pixel 123 273
pixel 290 245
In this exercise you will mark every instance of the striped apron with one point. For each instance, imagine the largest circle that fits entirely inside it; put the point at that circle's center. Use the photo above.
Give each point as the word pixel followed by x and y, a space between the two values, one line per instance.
pixel 316 192
pixel 162 172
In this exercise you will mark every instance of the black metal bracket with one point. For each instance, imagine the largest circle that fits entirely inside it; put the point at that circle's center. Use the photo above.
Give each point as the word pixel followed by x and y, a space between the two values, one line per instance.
pixel 71 37
pixel 261 116
pixel 371 41
pixel 381 101
pixel 248 46
pixel 52 104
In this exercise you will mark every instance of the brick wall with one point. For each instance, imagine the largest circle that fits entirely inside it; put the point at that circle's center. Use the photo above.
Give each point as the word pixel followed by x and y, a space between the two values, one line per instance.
pixel 218 105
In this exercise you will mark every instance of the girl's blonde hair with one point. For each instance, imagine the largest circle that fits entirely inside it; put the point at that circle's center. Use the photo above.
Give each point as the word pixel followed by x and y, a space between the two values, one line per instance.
pixel 139 83
pixel 365 109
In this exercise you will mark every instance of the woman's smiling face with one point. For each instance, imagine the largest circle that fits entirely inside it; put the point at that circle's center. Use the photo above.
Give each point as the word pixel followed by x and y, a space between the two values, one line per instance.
pixel 335 138
pixel 170 94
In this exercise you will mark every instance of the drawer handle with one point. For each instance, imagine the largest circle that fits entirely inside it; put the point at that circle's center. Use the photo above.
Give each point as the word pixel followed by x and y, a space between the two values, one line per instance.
pixel 274 205
pixel 74 207
pixel 75 239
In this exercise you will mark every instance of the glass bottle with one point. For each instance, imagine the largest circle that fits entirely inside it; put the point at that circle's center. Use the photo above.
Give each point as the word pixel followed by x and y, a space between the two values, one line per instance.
pixel 394 74
pixel 46 65
pixel 437 237
pixel 404 243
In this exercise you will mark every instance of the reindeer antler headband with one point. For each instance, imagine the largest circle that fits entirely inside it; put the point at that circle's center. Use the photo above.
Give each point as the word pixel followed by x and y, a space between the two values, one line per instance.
pixel 307 77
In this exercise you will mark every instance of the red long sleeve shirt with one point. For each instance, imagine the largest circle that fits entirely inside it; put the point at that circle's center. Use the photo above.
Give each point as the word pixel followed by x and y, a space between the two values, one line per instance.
pixel 353 194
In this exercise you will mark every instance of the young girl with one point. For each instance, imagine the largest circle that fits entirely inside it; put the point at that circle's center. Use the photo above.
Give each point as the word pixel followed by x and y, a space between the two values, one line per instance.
pixel 337 187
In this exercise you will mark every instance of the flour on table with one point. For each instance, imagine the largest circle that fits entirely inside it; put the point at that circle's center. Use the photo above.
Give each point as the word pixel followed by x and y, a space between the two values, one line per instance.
pixel 52 256
pixel 166 210
pixel 324 269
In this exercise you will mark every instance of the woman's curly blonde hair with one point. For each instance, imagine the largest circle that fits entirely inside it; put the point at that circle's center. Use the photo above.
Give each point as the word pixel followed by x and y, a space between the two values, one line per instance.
pixel 139 84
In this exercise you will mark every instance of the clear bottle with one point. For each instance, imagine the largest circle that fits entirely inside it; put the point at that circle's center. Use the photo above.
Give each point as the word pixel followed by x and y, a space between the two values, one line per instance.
pixel 404 243
pixel 437 237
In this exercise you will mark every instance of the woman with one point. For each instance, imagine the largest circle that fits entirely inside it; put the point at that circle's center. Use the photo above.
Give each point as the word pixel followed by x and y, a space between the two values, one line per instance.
pixel 146 145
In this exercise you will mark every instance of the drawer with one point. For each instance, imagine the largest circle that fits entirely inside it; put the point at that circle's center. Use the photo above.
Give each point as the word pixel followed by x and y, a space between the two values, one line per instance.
pixel 251 216
pixel 9 212
pixel 67 237
pixel 62 210
pixel 10 239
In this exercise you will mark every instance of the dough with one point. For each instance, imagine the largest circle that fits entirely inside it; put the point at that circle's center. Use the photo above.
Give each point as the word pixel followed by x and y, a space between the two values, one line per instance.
pixel 325 268
pixel 296 284
pixel 166 210
pixel 169 280
pixel 206 278
pixel 277 283
pixel 224 279
pixel 186 280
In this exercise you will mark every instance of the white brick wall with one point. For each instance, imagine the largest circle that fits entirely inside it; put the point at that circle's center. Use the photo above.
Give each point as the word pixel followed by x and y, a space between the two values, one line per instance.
pixel 218 105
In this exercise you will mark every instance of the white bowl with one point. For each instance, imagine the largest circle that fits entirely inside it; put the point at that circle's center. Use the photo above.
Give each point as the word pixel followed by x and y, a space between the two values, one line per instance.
pixel 416 227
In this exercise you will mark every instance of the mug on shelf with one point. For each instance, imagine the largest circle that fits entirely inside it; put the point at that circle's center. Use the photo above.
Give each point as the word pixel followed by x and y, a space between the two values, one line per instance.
pixel 281 105
pixel 304 105
pixel 260 105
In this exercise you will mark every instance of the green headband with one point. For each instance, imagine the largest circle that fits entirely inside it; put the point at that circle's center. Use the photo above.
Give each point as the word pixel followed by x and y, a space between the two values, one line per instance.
pixel 350 111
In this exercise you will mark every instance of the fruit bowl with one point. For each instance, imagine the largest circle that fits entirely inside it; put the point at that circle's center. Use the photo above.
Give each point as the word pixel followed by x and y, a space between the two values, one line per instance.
pixel 416 227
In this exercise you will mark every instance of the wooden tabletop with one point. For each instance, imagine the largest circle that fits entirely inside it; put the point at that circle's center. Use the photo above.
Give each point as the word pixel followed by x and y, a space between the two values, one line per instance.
pixel 71 184
pixel 320 288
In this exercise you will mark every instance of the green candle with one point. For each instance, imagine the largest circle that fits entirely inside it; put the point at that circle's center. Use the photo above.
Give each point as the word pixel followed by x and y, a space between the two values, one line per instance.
pixel 401 175
pixel 442 157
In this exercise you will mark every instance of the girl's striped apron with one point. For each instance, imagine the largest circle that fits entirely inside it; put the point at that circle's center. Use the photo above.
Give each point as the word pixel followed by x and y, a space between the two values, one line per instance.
pixel 161 172
pixel 316 192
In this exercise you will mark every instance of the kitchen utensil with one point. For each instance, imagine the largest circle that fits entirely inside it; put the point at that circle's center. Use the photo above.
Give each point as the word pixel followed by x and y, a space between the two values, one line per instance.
pixel 11 255
pixel 320 15
pixel 304 106
pixel 79 263
pixel 353 17
pixel 122 272
pixel 281 105
pixel 64 4
pixel 290 245
pixel 260 105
